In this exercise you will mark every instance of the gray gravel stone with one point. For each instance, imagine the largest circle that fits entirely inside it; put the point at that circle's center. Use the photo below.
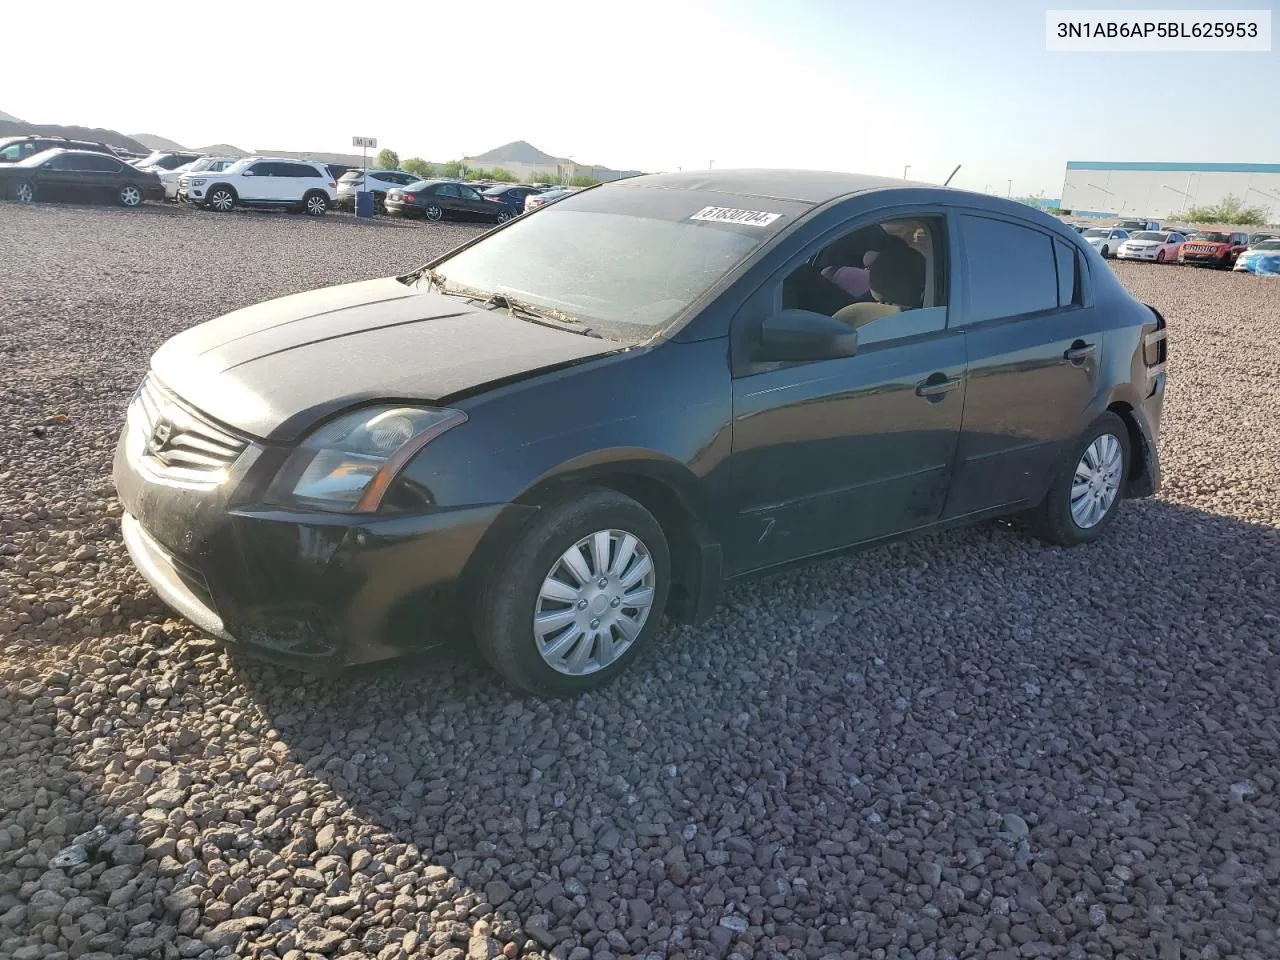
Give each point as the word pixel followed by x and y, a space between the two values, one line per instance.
pixel 997 749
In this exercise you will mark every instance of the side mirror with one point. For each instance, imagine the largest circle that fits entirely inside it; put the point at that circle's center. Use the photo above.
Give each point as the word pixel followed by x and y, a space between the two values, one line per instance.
pixel 247 173
pixel 804 335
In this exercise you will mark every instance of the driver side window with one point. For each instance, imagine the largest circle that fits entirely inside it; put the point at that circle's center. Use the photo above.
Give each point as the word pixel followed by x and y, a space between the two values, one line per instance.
pixel 886 279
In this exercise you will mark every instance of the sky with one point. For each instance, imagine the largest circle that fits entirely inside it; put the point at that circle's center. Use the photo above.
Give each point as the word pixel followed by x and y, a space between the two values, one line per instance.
pixel 870 87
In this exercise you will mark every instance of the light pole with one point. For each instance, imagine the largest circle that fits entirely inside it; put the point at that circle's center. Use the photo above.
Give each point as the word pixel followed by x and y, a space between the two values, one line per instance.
pixel 1010 193
pixel 710 164
pixel 904 171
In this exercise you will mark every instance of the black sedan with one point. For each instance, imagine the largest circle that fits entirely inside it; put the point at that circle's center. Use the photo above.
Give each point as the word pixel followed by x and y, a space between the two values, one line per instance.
pixel 436 199
pixel 79 175
pixel 586 419
pixel 512 196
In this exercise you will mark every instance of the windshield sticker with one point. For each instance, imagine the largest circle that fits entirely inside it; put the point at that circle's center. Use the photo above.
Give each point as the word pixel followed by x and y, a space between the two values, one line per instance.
pixel 752 218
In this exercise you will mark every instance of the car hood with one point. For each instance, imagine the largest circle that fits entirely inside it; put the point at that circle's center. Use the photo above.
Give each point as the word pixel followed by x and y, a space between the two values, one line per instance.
pixel 271 370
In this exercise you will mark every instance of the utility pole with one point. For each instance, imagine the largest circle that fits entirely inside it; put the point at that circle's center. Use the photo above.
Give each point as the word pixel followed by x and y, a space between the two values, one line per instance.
pixel 1010 193
pixel 904 171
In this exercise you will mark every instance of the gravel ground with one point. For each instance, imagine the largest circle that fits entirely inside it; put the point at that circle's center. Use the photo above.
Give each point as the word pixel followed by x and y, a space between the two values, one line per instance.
pixel 969 746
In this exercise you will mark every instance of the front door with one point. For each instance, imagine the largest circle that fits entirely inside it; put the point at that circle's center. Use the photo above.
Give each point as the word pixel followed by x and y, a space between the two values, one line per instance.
pixel 1034 346
pixel 60 178
pixel 836 452
pixel 257 183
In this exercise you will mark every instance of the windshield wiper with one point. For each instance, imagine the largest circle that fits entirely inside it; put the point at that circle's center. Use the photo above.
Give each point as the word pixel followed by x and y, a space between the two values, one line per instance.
pixel 533 314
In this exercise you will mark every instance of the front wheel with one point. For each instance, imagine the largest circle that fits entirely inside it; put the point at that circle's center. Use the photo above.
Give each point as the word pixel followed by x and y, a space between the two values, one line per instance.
pixel 433 212
pixel 221 199
pixel 1081 503
pixel 1160 256
pixel 1106 251
pixel 129 196
pixel 504 216
pixel 577 596
pixel 315 204
pixel 24 191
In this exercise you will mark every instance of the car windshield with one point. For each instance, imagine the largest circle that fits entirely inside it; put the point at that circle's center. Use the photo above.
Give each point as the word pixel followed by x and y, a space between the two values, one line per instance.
pixel 1148 235
pixel 1097 232
pixel 1212 236
pixel 351 176
pixel 623 262
pixel 1267 245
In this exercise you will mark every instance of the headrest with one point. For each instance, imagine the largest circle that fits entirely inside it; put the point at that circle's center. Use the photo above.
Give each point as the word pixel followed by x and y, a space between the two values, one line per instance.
pixel 897 275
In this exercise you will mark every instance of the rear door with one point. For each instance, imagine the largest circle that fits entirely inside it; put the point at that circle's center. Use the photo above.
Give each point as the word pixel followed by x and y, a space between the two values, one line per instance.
pixel 101 175
pixel 449 197
pixel 1034 346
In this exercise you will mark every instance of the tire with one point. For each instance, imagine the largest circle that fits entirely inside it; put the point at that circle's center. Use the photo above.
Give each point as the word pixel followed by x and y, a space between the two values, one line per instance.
pixel 1159 256
pixel 1058 519
pixel 433 212
pixel 1105 251
pixel 221 199
pixel 584 639
pixel 315 204
pixel 379 204
pixel 505 215
pixel 129 196
pixel 24 191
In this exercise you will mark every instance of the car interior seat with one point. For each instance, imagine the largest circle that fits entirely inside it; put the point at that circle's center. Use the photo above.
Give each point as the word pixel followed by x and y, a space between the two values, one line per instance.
pixel 897 282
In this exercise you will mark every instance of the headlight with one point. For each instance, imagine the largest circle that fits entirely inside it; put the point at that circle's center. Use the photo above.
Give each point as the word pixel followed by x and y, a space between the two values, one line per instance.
pixel 199 182
pixel 348 464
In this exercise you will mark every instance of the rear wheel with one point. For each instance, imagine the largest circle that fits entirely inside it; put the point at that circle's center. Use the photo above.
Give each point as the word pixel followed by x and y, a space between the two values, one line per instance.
pixel 1081 503
pixel 24 191
pixel 129 196
pixel 433 212
pixel 315 204
pixel 221 199
pixel 577 596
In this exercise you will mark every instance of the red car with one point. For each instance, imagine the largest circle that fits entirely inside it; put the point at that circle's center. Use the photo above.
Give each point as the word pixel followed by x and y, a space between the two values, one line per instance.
pixel 1213 248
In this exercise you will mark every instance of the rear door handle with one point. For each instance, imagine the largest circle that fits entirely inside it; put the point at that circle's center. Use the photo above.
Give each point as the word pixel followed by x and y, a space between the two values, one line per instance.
pixel 936 388
pixel 1078 352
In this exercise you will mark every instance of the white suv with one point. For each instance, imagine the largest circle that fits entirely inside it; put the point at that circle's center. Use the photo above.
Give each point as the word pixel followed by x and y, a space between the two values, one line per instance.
pixel 263 182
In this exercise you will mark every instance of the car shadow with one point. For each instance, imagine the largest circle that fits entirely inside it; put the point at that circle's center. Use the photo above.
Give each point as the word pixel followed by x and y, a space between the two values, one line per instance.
pixel 779 736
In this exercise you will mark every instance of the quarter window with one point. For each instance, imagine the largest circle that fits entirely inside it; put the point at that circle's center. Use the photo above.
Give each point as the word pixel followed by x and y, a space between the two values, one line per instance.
pixel 1010 270
pixel 98 164
pixel 1068 264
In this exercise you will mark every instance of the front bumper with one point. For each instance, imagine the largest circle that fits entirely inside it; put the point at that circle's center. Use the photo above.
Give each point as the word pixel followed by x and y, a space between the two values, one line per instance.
pixel 1211 259
pixel 1123 254
pixel 304 589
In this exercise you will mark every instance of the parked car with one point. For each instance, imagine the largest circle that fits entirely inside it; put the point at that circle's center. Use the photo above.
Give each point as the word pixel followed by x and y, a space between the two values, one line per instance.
pixel 1256 238
pixel 1106 240
pixel 1158 245
pixel 163 160
pixel 172 179
pixel 1132 225
pixel 378 182
pixel 1213 248
pixel 437 199
pixel 551 195
pixel 512 196
pixel 365 470
pixel 1262 258
pixel 262 182
pixel 77 175
pixel 336 170
pixel 13 149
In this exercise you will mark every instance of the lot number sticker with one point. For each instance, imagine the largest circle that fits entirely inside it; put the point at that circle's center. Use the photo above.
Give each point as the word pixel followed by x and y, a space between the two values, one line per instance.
pixel 752 218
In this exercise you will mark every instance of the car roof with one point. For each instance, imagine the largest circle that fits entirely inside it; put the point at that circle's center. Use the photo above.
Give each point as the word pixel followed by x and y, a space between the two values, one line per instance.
pixel 802 186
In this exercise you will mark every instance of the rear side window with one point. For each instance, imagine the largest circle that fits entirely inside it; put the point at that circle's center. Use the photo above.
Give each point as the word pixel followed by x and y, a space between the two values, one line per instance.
pixel 302 170
pixel 98 163
pixel 1068 274
pixel 1010 270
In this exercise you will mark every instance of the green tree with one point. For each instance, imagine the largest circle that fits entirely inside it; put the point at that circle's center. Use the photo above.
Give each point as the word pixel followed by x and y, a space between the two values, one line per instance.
pixel 476 173
pixel 582 180
pixel 1230 211
pixel 387 159
pixel 502 176
pixel 419 168
pixel 452 170
pixel 545 178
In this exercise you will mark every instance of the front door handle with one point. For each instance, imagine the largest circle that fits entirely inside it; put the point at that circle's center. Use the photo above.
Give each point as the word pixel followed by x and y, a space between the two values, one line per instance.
pixel 1079 351
pixel 932 388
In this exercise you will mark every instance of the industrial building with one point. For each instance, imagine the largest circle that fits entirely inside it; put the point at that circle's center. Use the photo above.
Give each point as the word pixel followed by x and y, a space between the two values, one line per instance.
pixel 1163 190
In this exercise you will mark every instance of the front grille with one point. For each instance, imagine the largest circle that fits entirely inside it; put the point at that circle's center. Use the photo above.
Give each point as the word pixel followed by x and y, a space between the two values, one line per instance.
pixel 179 442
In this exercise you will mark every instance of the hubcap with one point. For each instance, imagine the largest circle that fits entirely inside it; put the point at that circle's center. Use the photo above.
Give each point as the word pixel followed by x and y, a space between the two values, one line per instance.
pixel 1097 481
pixel 434 213
pixel 504 216
pixel 594 602
pixel 25 192
pixel 222 200
pixel 130 196
pixel 316 206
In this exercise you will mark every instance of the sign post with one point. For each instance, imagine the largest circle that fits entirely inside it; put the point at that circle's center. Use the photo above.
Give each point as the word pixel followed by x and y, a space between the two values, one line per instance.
pixel 364 143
